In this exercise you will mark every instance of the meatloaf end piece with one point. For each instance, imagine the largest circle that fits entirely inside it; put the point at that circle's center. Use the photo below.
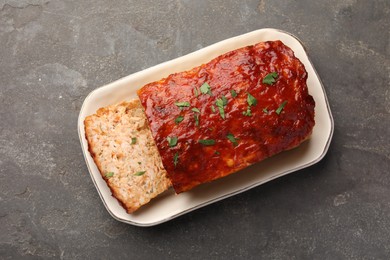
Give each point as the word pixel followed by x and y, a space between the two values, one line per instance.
pixel 121 144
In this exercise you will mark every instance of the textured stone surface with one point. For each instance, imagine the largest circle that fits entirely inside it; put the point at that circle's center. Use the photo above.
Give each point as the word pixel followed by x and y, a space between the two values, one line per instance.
pixel 53 53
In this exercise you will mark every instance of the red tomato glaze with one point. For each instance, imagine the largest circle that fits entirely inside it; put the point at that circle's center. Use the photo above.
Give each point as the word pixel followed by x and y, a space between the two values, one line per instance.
pixel 255 137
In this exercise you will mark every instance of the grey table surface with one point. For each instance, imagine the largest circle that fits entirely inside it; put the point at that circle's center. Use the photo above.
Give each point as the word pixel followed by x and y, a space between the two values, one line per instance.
pixel 53 53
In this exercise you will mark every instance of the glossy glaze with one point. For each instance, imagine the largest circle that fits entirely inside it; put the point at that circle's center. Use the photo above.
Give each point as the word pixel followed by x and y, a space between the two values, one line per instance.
pixel 259 136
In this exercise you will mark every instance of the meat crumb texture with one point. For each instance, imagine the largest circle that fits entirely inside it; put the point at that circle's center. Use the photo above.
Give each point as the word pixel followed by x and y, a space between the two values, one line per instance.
pixel 121 144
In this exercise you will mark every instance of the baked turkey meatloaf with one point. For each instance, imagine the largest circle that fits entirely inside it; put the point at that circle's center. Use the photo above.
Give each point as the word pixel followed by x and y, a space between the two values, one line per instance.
pixel 121 144
pixel 200 125
pixel 236 110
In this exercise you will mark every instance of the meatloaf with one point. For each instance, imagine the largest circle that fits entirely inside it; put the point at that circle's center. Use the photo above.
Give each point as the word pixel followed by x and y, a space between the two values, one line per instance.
pixel 121 144
pixel 236 110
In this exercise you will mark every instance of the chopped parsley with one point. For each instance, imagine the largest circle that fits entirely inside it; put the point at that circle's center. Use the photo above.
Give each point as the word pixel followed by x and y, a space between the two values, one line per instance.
pixel 280 108
pixel 232 139
pixel 265 110
pixel 270 78
pixel 221 103
pixel 207 141
pixel 179 119
pixel 140 173
pixel 248 112
pixel 196 92
pixel 182 104
pixel 133 140
pixel 213 108
pixel 234 93
pixel 172 141
pixel 194 109
pixel 196 117
pixel 206 89
pixel 109 174
pixel 176 158
pixel 252 101
pixel 221 111
pixel 224 100
pixel 217 153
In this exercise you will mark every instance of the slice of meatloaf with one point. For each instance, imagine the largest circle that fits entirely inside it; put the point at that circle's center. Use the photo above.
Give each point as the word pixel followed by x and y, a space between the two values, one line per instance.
pixel 121 144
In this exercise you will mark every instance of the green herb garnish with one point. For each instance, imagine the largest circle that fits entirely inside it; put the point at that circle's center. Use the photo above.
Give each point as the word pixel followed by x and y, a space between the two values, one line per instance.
pixel 182 104
pixel 221 111
pixel 280 108
pixel 265 110
pixel 221 103
pixel 109 174
pixel 133 140
pixel 234 93
pixel 139 163
pixel 179 119
pixel 194 109
pixel 252 101
pixel 217 153
pixel 176 158
pixel 224 100
pixel 206 89
pixel 196 117
pixel 140 173
pixel 232 139
pixel 207 141
pixel 248 112
pixel 196 92
pixel 270 78
pixel 213 108
pixel 172 141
